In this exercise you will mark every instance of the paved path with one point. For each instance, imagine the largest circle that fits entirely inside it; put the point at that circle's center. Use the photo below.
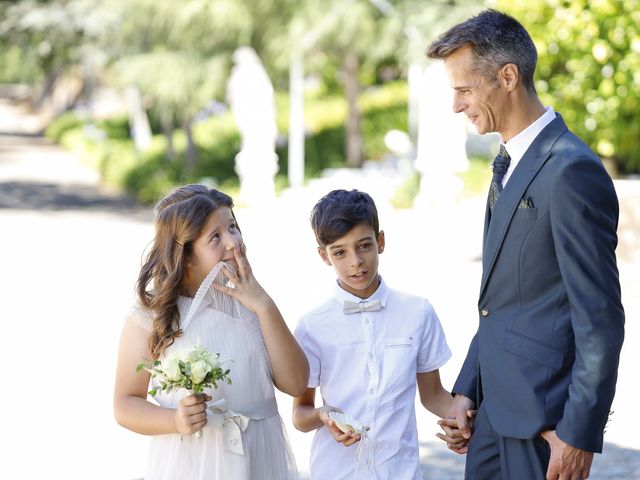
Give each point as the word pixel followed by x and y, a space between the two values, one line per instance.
pixel 70 252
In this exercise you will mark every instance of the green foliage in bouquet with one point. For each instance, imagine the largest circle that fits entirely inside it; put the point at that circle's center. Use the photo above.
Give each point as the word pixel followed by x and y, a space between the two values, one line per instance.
pixel 194 370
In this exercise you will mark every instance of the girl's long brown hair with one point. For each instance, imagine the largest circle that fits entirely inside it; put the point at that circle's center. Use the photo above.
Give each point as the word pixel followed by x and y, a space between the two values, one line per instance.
pixel 180 217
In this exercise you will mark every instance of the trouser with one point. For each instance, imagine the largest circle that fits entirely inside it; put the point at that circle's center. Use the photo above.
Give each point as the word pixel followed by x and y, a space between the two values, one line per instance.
pixel 493 457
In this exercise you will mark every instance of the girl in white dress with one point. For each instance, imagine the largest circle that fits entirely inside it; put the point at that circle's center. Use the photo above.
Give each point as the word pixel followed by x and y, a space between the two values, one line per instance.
pixel 196 288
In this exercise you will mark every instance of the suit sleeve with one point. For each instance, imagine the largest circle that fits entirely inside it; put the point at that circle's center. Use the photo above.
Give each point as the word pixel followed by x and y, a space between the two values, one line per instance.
pixel 584 217
pixel 468 378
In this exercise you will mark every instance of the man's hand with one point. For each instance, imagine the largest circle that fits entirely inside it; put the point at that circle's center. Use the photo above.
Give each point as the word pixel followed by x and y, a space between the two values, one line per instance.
pixel 458 410
pixel 458 424
pixel 567 462
pixel 452 434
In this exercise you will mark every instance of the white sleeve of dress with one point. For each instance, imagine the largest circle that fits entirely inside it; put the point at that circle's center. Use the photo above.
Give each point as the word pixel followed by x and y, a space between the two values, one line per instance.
pixel 141 315
pixel 434 351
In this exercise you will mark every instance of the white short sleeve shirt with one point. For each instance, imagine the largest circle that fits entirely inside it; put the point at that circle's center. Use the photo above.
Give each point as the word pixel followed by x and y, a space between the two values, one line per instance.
pixel 366 364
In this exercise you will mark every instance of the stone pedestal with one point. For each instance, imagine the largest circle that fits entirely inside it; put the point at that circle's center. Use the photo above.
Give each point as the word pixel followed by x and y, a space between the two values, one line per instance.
pixel 442 138
pixel 257 170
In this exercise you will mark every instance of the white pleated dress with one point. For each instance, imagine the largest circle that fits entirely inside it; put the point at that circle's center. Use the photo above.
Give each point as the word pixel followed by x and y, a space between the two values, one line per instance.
pixel 224 326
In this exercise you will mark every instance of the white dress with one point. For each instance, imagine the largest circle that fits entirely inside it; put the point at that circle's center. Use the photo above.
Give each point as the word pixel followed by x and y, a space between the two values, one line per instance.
pixel 224 326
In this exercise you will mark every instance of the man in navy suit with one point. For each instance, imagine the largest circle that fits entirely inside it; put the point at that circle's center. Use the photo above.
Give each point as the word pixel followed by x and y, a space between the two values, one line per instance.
pixel 543 364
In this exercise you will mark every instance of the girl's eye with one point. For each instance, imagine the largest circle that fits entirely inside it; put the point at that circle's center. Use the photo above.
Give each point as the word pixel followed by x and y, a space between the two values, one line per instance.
pixel 338 253
pixel 365 246
pixel 233 227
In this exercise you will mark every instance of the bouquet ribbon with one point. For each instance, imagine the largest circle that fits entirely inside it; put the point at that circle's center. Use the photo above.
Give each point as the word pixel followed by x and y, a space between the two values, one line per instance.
pixel 234 423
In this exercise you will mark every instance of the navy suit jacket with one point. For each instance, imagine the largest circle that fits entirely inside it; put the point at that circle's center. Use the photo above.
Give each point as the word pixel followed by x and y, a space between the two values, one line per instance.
pixel 551 321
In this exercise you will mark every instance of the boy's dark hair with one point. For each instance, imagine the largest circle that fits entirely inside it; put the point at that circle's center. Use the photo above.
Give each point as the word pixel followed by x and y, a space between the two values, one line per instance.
pixel 339 211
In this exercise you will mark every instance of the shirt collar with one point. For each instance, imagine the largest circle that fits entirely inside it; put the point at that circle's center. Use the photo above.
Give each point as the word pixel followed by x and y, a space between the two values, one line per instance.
pixel 518 145
pixel 381 294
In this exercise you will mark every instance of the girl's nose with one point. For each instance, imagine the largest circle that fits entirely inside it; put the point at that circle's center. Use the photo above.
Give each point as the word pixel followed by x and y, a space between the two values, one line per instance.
pixel 233 241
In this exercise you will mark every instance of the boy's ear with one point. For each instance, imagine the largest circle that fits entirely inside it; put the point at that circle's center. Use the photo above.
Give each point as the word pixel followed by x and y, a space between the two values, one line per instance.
pixel 381 241
pixel 323 255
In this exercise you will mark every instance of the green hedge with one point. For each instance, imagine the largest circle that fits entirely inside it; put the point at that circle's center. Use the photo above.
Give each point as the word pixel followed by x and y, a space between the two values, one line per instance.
pixel 107 146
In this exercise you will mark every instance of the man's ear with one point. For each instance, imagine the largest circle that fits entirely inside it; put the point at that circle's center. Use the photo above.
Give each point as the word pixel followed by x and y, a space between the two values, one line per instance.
pixel 381 241
pixel 323 255
pixel 509 76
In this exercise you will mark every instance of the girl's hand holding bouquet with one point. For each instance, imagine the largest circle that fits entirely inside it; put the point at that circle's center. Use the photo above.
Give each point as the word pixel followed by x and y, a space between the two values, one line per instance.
pixel 194 370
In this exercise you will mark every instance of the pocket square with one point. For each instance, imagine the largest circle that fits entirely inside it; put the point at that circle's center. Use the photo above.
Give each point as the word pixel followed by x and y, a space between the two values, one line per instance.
pixel 526 203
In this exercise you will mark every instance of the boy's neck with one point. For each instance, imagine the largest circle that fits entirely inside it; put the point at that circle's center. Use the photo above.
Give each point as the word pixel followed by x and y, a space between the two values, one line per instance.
pixel 363 294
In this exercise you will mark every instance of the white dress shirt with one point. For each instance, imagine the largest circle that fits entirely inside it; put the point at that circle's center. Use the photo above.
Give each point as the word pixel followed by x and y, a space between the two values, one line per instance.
pixel 518 145
pixel 366 364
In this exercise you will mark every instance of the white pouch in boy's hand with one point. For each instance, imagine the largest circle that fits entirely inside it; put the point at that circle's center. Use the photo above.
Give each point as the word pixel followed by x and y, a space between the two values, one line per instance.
pixel 349 424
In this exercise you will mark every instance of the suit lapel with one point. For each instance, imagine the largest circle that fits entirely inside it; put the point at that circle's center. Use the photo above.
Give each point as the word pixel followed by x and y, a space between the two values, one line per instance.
pixel 532 161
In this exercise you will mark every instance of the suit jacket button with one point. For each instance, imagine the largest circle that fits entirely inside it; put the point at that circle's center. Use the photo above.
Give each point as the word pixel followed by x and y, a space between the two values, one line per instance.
pixel 484 312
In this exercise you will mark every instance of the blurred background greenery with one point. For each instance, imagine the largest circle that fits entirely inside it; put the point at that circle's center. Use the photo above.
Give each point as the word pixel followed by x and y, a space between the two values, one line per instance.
pixel 80 58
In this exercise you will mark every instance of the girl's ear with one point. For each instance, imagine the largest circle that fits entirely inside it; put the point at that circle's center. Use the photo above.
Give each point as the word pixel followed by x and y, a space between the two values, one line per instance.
pixel 380 240
pixel 323 255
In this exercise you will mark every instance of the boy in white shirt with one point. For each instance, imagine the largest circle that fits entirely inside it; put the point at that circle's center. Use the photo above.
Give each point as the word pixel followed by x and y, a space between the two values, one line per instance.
pixel 368 347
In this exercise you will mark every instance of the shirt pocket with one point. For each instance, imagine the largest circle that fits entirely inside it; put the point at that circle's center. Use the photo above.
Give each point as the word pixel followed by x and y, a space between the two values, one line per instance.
pixel 399 364
pixel 399 342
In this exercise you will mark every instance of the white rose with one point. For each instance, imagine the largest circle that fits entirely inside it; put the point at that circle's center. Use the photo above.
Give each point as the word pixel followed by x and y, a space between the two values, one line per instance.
pixel 171 368
pixel 199 370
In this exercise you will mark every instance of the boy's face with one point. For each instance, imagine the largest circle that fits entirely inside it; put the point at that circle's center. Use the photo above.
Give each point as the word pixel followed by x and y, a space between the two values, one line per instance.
pixel 354 257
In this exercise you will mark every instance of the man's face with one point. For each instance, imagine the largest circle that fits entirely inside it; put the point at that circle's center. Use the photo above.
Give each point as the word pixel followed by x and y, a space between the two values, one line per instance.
pixel 354 258
pixel 480 98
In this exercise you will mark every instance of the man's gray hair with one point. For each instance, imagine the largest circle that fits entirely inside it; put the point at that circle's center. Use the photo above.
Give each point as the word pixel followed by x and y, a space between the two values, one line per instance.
pixel 495 39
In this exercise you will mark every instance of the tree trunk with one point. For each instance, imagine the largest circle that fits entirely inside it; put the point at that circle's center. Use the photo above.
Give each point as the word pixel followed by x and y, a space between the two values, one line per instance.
pixel 46 89
pixel 353 139
pixel 166 119
pixel 191 154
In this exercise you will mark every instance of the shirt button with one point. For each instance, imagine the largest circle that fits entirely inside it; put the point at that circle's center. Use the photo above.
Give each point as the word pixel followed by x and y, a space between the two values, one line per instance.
pixel 366 321
pixel 371 391
pixel 484 312
pixel 370 356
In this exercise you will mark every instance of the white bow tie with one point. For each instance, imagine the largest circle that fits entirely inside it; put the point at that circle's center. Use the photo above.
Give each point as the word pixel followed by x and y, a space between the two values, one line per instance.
pixel 359 307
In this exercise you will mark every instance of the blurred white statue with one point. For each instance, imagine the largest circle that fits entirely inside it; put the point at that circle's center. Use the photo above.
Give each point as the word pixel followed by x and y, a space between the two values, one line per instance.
pixel 250 93
pixel 442 137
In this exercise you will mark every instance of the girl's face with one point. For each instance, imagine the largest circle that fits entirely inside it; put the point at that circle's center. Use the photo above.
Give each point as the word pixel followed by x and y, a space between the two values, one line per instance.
pixel 219 237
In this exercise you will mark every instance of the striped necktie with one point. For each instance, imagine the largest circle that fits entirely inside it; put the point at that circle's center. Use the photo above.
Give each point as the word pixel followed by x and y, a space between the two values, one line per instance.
pixel 499 166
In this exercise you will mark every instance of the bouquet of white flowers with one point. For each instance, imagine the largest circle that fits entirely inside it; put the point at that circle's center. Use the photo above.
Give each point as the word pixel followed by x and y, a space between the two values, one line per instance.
pixel 194 370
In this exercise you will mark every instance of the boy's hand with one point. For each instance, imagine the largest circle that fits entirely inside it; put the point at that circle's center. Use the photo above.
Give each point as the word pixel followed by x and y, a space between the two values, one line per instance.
pixel 453 435
pixel 347 439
